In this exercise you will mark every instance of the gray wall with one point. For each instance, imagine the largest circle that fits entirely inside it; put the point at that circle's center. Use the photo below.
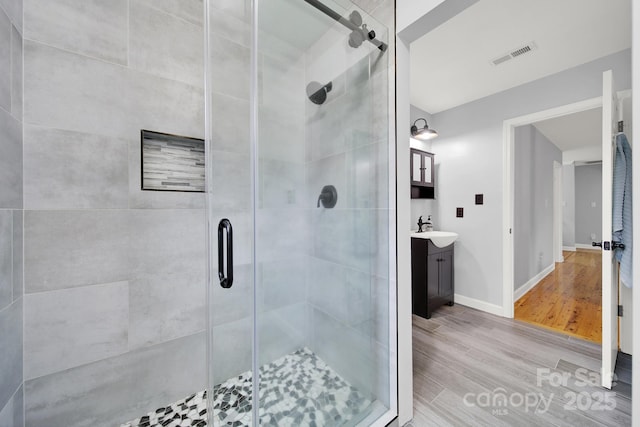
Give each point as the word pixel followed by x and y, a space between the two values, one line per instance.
pixel 469 153
pixel 588 194
pixel 534 155
pixel 114 312
pixel 568 206
pixel 11 215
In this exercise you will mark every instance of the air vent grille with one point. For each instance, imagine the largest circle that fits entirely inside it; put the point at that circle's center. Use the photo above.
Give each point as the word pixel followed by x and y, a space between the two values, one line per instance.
pixel 514 53
pixel 521 51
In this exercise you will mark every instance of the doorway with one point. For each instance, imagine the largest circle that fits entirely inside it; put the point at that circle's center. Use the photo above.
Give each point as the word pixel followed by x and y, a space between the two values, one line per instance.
pixel 550 291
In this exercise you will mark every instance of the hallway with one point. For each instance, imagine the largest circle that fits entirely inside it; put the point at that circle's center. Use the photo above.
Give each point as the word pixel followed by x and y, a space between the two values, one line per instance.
pixel 569 300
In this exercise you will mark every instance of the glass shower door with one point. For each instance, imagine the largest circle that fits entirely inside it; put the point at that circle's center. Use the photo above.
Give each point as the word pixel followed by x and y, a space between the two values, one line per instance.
pixel 299 153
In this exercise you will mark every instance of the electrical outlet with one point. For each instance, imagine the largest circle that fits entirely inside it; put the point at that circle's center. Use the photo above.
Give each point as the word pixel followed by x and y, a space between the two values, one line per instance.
pixel 593 204
pixel 479 199
pixel 459 212
pixel 593 236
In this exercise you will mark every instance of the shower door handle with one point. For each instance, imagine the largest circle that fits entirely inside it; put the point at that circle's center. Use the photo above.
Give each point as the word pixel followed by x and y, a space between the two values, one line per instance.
pixel 225 226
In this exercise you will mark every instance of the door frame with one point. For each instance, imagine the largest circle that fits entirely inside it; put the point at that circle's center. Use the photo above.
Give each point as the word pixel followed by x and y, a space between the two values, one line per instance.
pixel 557 212
pixel 508 140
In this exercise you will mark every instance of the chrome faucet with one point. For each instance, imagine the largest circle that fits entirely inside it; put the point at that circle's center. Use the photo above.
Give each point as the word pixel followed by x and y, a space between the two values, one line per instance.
pixel 420 224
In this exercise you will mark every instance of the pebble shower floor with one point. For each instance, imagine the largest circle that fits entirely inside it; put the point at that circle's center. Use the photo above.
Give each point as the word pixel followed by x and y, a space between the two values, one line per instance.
pixel 298 390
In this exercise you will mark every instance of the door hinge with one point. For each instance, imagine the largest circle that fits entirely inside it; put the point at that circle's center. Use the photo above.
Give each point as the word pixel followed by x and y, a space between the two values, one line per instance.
pixel 620 311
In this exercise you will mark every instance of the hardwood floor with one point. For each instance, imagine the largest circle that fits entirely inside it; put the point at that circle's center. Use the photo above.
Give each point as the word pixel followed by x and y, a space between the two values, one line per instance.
pixel 568 300
pixel 464 360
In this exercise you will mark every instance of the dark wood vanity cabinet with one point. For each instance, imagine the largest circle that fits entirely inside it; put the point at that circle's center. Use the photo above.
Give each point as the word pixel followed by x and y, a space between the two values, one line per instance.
pixel 422 175
pixel 431 276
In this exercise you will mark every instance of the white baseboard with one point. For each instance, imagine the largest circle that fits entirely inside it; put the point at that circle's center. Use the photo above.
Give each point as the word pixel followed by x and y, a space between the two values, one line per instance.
pixel 478 304
pixel 531 283
pixel 585 246
pixel 569 248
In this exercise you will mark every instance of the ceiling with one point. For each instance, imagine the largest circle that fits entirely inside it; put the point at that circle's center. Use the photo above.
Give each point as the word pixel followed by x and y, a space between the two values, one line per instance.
pixel 578 132
pixel 574 131
pixel 451 65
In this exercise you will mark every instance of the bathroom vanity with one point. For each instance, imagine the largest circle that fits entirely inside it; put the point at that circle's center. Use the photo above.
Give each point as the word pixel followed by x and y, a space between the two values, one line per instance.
pixel 432 282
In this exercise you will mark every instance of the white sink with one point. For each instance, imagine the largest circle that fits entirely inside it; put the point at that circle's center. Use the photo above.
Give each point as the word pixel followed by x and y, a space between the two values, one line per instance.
pixel 438 238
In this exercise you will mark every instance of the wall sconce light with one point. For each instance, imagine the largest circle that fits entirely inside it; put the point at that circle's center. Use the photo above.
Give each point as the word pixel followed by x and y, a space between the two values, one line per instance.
pixel 423 133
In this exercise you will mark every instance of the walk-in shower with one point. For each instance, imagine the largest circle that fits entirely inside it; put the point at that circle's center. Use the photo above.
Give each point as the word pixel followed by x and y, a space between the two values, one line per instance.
pixel 267 299
pixel 311 344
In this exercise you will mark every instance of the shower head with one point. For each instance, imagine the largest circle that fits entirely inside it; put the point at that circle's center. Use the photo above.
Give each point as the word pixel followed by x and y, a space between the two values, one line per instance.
pixel 317 93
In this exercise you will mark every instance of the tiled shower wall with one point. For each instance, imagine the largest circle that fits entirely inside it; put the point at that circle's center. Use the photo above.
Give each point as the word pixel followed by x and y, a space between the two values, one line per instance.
pixel 349 145
pixel 114 305
pixel 11 215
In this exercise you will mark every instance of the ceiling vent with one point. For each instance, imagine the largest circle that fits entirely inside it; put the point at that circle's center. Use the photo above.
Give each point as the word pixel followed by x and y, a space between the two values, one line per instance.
pixel 514 53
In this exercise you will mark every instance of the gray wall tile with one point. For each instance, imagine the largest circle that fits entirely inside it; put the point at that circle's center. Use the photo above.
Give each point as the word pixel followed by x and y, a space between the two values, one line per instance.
pixel 18 259
pixel 5 62
pixel 96 97
pixel 13 8
pixel 230 124
pixel 341 292
pixel 12 415
pixel 118 389
pixel 231 75
pixel 90 27
pixel 345 349
pixel 6 258
pixel 16 74
pixel 281 331
pixel 367 176
pixel 71 327
pixel 281 234
pixel 231 346
pixel 167 241
pixel 239 9
pixel 356 238
pixel 10 350
pixel 10 161
pixel 283 84
pixel 235 303
pixel 168 276
pixel 166 306
pixel 231 181
pixel 18 408
pixel 282 283
pixel 280 135
pixel 189 10
pixel 164 45
pixel 282 184
pixel 67 170
pixel 65 249
pixel 6 414
pixel 229 24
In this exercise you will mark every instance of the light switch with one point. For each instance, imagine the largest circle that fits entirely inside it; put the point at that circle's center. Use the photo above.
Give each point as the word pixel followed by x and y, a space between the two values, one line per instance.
pixel 593 204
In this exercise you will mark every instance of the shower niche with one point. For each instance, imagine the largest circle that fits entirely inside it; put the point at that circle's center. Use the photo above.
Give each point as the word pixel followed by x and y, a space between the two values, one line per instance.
pixel 171 162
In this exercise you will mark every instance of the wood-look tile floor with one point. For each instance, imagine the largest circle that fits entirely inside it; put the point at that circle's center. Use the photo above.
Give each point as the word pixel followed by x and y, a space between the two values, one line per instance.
pixel 467 363
pixel 569 299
